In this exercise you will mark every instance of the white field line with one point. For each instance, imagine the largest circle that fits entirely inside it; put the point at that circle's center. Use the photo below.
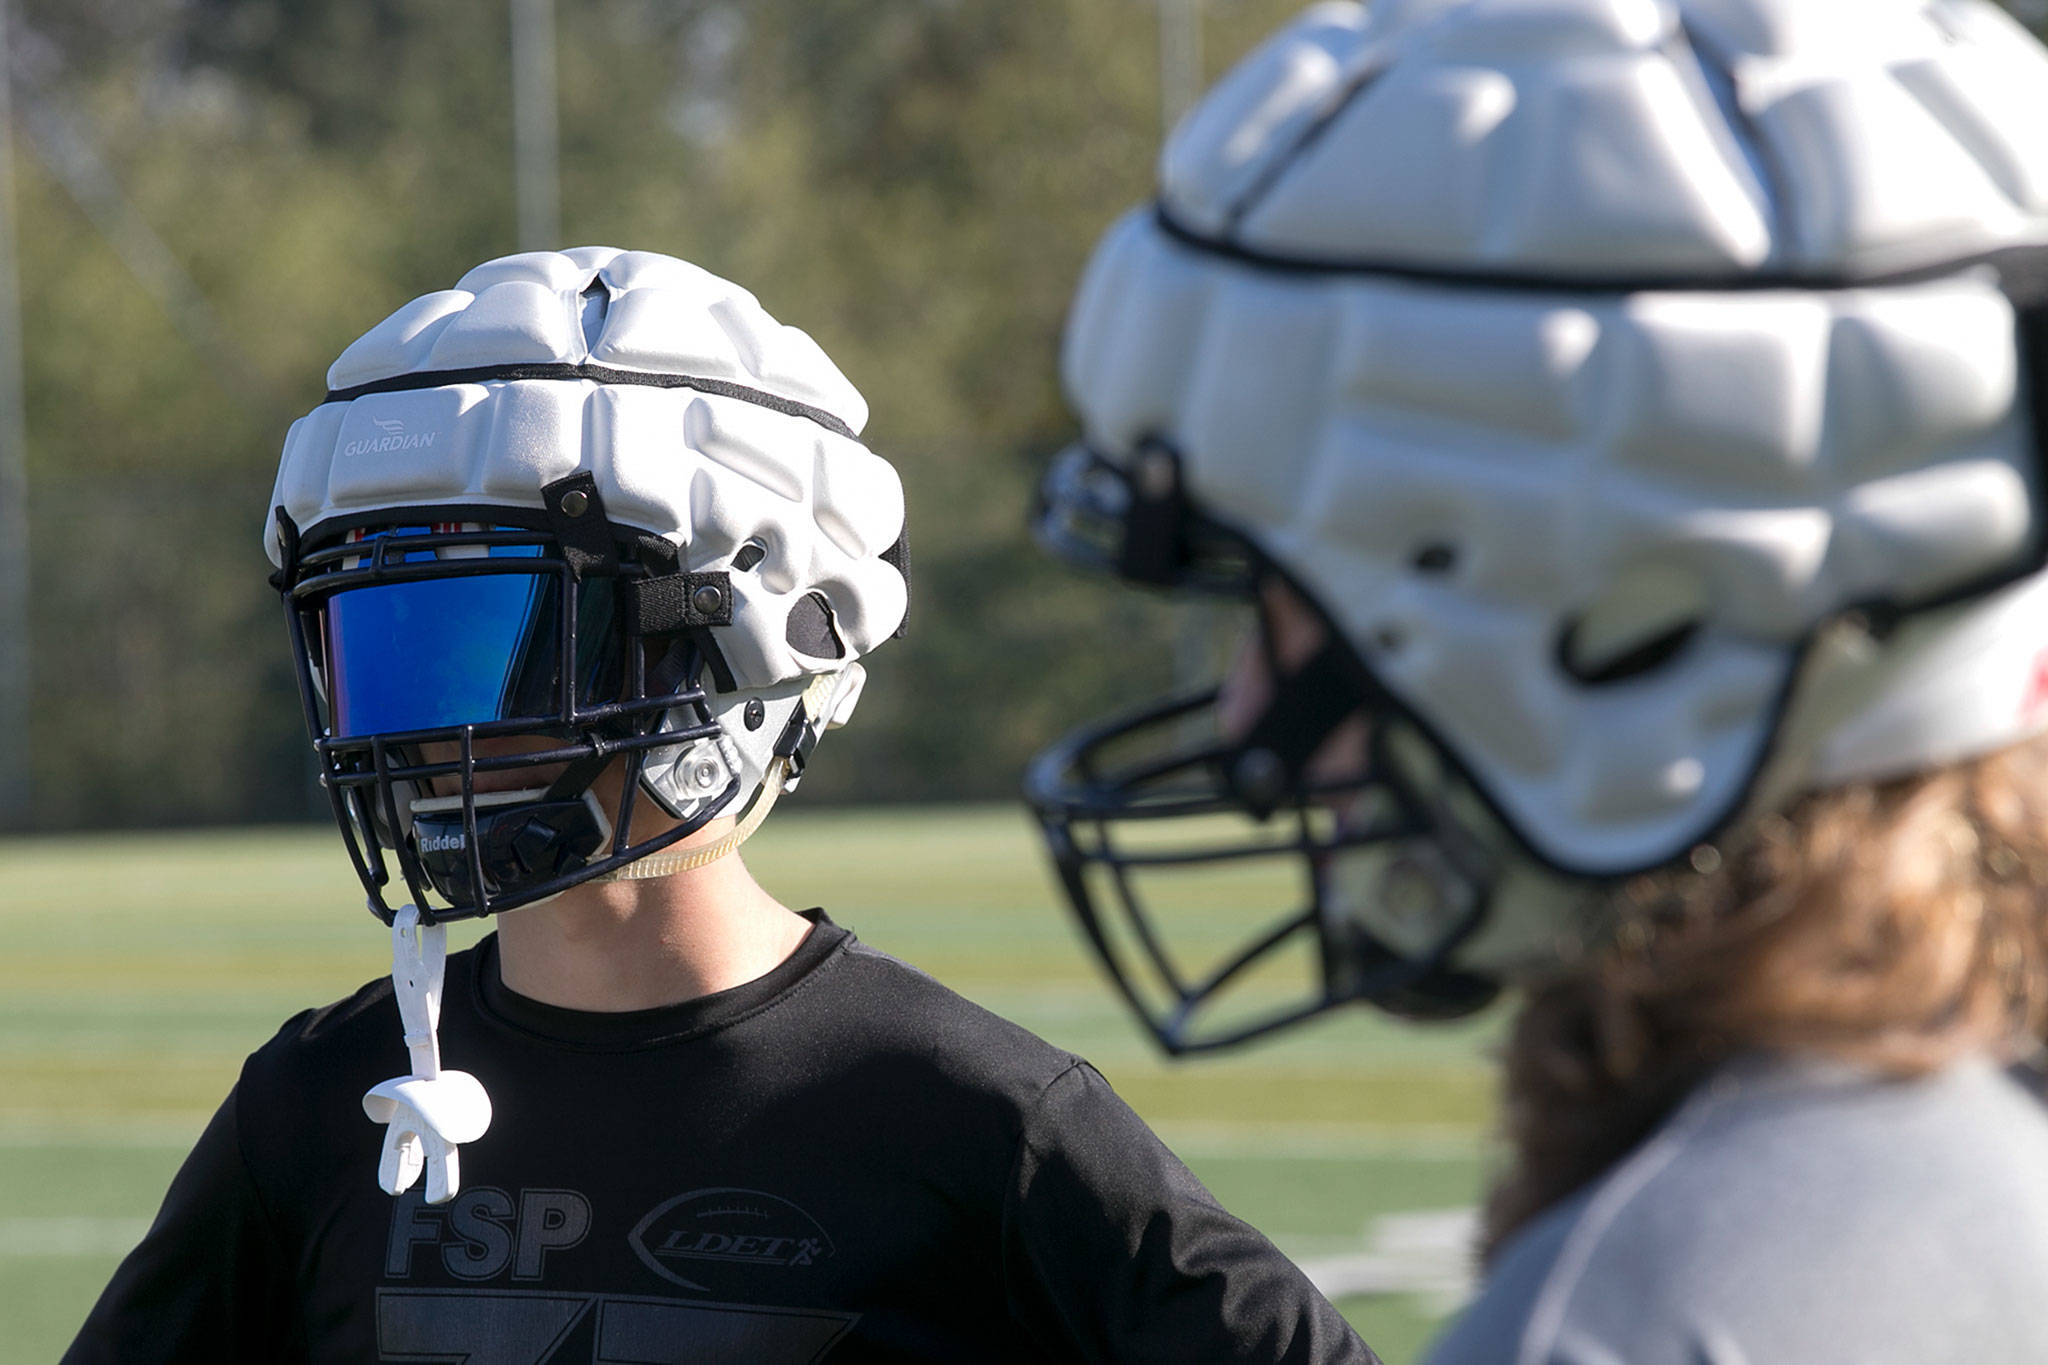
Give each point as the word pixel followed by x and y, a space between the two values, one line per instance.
pixel 50 1237
pixel 128 1132
pixel 1310 1140
pixel 1429 1253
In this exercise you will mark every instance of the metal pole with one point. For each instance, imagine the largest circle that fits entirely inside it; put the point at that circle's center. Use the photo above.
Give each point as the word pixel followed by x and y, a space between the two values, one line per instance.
pixel 1180 59
pixel 536 142
pixel 15 637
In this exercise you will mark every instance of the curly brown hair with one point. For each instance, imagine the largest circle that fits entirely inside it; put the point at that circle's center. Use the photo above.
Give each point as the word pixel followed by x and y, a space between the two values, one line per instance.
pixel 1894 924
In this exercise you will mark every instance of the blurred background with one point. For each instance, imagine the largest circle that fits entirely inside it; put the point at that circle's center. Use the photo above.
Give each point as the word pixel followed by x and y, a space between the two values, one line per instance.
pixel 213 197
pixel 203 201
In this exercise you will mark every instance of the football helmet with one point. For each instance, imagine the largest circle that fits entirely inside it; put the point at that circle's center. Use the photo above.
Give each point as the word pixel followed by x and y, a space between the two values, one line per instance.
pixel 586 509
pixel 1643 398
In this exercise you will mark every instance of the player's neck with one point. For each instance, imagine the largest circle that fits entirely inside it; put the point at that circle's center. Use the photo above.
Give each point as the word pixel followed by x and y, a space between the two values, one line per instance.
pixel 639 944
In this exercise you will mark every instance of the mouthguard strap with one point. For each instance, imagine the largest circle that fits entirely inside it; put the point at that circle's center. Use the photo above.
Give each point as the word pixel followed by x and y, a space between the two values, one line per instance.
pixel 429 1114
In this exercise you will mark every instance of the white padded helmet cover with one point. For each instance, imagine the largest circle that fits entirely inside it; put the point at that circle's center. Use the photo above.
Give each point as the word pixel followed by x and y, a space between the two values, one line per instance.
pixel 706 471
pixel 764 450
pixel 1756 459
pixel 1558 137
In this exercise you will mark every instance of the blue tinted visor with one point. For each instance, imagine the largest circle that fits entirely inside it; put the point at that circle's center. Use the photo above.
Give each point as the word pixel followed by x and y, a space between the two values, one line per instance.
pixel 439 653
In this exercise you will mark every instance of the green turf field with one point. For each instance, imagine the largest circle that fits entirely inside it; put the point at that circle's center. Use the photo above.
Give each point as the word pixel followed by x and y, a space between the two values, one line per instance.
pixel 139 969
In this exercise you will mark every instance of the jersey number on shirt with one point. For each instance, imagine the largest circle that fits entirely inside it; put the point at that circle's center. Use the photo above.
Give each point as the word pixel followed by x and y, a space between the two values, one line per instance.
pixel 514 1327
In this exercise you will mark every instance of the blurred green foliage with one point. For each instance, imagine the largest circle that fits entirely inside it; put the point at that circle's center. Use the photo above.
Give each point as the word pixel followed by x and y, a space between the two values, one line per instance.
pixel 915 182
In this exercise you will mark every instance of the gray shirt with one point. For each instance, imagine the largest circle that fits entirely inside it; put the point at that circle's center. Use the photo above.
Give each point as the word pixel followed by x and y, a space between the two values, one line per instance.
pixel 1792 1213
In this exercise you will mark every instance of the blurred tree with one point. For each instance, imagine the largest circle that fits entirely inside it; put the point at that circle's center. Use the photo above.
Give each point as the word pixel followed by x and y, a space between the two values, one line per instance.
pixel 916 182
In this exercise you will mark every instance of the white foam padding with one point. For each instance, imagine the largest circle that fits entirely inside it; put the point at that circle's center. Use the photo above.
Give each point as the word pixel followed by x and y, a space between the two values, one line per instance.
pixel 1695 138
pixel 708 472
pixel 1780 453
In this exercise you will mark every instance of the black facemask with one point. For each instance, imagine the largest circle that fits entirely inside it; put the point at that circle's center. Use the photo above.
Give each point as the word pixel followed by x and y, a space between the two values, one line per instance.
pixel 424 642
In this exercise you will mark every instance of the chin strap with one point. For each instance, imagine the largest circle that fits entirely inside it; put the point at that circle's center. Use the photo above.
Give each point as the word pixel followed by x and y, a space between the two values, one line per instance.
pixel 690 859
pixel 815 710
pixel 425 1115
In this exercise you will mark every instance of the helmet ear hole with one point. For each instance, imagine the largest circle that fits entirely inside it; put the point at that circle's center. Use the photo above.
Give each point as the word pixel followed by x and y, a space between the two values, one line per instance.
pixel 1643 621
pixel 1434 557
pixel 809 629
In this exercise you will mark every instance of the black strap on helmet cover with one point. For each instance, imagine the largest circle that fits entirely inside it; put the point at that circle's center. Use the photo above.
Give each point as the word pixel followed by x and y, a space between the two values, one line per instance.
pixel 575 512
pixel 671 603
pixel 2024 278
pixel 1155 526
pixel 593 374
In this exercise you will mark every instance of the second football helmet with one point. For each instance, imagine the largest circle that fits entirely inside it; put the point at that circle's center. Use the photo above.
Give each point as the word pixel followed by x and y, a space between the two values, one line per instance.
pixel 1643 394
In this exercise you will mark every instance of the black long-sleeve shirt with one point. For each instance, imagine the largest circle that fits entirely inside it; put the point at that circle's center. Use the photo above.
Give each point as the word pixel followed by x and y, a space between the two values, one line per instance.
pixel 842 1161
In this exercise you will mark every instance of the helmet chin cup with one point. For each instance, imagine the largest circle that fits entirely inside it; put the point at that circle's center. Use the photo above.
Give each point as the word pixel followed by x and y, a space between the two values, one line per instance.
pixel 523 840
pixel 1416 898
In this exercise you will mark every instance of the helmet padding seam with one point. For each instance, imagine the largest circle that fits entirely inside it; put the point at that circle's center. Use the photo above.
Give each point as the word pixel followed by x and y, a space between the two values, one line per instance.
pixel 597 374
